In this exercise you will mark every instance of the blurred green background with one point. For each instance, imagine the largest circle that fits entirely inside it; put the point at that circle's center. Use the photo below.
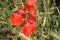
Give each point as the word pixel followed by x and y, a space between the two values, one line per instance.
pixel 47 20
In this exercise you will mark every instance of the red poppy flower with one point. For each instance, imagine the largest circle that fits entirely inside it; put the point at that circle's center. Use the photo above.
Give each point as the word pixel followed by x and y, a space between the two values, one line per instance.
pixel 32 11
pixel 21 11
pixel 31 2
pixel 15 19
pixel 28 28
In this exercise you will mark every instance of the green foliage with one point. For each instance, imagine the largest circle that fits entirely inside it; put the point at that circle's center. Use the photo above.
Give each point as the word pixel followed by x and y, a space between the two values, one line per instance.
pixel 47 20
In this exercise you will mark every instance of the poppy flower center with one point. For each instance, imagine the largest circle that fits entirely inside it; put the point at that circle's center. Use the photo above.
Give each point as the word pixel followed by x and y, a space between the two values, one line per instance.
pixel 31 22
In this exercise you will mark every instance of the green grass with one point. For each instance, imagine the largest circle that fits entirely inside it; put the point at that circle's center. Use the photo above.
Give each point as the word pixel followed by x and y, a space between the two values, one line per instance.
pixel 47 21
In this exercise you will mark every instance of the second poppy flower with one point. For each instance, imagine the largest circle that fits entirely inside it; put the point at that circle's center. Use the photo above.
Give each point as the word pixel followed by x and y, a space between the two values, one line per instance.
pixel 15 19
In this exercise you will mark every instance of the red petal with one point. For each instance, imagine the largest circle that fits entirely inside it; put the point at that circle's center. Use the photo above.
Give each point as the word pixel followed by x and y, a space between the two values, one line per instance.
pixel 32 18
pixel 26 6
pixel 28 28
pixel 31 2
pixel 15 19
pixel 32 11
pixel 22 12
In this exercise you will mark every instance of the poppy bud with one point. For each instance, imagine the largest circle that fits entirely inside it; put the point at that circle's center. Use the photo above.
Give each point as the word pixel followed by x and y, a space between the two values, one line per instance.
pixel 28 28
pixel 15 19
